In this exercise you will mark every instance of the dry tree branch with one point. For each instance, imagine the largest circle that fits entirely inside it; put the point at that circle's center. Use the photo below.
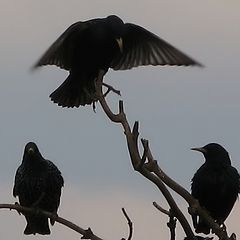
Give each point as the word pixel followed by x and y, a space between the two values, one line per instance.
pixel 110 88
pixel 86 234
pixel 153 172
pixel 162 210
pixel 172 225
pixel 172 220
pixel 130 224
pixel 137 161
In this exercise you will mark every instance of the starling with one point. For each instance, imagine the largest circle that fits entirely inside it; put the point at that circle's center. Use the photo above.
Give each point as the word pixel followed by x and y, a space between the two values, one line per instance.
pixel 87 47
pixel 215 185
pixel 38 184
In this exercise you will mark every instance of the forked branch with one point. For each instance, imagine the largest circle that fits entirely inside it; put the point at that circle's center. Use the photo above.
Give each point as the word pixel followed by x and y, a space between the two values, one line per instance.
pixel 149 168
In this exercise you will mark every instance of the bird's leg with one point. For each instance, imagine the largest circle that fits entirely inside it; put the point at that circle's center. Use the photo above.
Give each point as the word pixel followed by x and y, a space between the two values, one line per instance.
pixel 94 106
pixel 38 200
pixel 99 81
pixel 16 203
pixel 93 97
pixel 54 217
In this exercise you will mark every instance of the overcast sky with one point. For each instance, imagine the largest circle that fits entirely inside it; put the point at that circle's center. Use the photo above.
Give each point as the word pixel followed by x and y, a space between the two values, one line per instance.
pixel 177 107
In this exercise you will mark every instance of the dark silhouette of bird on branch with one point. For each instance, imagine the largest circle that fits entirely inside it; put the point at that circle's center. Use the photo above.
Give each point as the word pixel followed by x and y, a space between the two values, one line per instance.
pixel 38 184
pixel 87 47
pixel 215 185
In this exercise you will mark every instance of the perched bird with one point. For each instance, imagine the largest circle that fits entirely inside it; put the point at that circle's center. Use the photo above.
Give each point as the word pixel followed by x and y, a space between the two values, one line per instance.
pixel 215 185
pixel 87 47
pixel 38 184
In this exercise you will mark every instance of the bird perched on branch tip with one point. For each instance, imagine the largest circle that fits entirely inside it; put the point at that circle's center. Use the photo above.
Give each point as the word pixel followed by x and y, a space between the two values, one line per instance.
pixel 87 47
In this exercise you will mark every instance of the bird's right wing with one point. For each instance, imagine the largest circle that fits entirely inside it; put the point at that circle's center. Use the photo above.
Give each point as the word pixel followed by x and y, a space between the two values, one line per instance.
pixel 141 47
pixel 60 52
pixel 55 175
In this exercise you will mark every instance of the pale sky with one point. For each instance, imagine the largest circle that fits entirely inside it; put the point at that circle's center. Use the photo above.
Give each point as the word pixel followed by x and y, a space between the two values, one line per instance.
pixel 177 107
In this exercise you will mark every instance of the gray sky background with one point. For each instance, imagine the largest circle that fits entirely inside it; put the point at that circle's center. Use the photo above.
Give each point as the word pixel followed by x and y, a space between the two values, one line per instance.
pixel 178 108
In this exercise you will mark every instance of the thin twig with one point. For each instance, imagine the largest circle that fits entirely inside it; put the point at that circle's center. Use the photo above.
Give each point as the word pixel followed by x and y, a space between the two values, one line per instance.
pixel 130 224
pixel 172 225
pixel 162 210
pixel 172 220
pixel 111 88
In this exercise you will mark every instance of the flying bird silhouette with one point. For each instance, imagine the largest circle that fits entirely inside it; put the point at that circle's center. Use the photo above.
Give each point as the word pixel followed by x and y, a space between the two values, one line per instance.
pixel 215 185
pixel 87 47
pixel 38 184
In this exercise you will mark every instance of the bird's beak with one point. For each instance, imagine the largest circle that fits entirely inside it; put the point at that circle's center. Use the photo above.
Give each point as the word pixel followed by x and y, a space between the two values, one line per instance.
pixel 200 149
pixel 30 150
pixel 120 44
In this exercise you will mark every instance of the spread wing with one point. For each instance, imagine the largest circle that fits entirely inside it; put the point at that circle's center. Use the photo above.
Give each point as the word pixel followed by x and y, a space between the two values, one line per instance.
pixel 60 52
pixel 141 47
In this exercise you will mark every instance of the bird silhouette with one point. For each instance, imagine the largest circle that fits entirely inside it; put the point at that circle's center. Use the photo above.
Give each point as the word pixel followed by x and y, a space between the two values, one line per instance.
pixel 87 47
pixel 215 185
pixel 38 184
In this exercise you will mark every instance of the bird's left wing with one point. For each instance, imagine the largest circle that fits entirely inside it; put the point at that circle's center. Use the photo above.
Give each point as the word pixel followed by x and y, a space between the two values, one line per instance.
pixel 60 52
pixel 17 181
pixel 141 47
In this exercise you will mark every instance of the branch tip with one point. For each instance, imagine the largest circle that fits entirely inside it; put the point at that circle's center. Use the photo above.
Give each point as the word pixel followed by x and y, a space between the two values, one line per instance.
pixel 121 109
pixel 135 128
pixel 130 224
pixel 110 88
pixel 145 144
pixel 162 210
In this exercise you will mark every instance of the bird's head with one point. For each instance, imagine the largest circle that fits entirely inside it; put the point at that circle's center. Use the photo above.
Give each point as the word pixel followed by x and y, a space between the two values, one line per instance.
pixel 31 148
pixel 118 29
pixel 214 153
pixel 31 151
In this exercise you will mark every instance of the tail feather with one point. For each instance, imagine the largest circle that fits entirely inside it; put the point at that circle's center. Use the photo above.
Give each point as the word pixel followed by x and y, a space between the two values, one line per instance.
pixel 74 92
pixel 37 224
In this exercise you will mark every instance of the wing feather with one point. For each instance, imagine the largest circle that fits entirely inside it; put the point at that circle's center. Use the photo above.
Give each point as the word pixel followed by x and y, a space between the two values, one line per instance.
pixel 141 47
pixel 60 52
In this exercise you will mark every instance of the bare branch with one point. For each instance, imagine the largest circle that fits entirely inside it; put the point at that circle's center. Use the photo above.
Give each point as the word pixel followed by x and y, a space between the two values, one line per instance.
pixel 109 89
pixel 132 142
pixel 177 212
pixel 100 96
pixel 87 234
pixel 154 173
pixel 162 210
pixel 172 220
pixel 130 224
pixel 172 225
